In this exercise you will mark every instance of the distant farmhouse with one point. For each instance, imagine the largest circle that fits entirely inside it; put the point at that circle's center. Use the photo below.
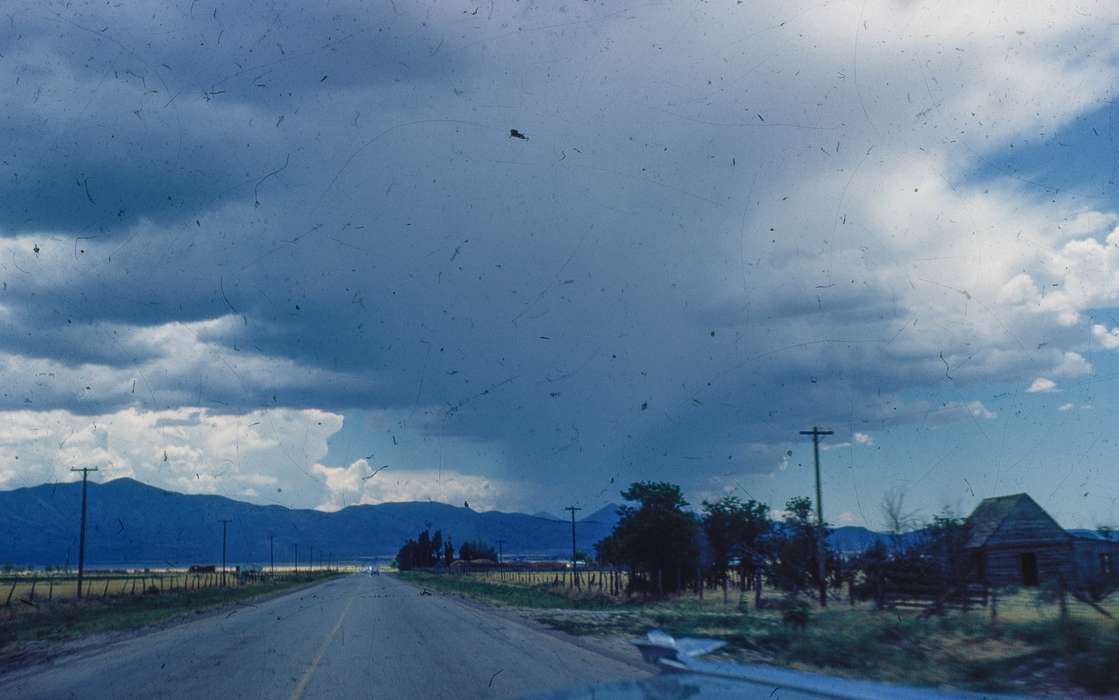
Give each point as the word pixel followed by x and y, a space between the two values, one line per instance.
pixel 1013 541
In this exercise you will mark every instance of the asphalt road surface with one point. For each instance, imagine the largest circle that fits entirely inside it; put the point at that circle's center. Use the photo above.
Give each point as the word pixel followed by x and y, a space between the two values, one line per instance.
pixel 356 637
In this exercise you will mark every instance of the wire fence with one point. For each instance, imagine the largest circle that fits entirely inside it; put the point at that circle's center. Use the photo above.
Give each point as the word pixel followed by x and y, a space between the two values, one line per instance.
pixel 33 588
pixel 1007 604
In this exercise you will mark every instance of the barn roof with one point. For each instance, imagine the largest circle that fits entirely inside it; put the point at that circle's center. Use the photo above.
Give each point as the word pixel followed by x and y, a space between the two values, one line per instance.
pixel 990 514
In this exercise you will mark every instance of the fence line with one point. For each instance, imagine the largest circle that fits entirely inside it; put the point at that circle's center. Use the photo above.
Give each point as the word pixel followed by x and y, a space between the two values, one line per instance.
pixel 28 589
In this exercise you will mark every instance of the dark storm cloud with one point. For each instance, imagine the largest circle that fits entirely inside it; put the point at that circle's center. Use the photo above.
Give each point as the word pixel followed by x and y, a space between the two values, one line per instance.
pixel 693 251
pixel 113 115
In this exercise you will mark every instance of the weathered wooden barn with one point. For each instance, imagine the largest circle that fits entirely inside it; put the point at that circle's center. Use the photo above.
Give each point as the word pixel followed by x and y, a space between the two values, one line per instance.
pixel 1011 540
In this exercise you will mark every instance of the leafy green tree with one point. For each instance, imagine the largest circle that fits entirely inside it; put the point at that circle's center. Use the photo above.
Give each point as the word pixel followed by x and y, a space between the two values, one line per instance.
pixel 656 539
pixel 407 557
pixel 436 547
pixel 477 549
pixel 423 552
pixel 794 554
pixel 735 530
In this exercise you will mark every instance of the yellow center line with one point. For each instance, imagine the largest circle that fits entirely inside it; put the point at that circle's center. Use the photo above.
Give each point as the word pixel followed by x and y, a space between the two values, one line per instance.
pixel 297 693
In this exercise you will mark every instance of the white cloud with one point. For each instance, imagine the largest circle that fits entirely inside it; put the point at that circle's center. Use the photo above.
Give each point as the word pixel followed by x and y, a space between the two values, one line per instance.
pixel 1041 385
pixel 263 455
pixel 862 439
pixel 347 486
pixel 1071 365
pixel 846 518
pixel 1065 407
pixel 1107 338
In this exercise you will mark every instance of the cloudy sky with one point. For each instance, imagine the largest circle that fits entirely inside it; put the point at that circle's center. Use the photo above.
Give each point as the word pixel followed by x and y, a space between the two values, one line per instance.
pixel 263 249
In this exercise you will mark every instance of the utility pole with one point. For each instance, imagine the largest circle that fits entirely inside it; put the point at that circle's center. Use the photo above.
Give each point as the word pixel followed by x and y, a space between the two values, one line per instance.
pixel 81 541
pixel 821 546
pixel 499 543
pixel 272 555
pixel 574 570
pixel 311 556
pixel 297 557
pixel 224 524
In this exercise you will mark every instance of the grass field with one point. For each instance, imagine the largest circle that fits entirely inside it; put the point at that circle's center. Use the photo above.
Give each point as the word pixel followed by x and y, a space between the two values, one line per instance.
pixel 1030 648
pixel 67 619
pixel 34 587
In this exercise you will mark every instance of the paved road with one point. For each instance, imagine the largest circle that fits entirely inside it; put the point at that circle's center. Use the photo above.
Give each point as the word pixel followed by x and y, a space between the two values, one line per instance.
pixel 355 637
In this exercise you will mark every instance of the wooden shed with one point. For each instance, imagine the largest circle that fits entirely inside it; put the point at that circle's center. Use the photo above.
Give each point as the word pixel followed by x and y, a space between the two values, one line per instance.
pixel 1013 541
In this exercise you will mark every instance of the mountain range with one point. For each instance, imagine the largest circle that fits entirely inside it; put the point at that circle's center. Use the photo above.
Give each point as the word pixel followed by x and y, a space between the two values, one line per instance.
pixel 131 523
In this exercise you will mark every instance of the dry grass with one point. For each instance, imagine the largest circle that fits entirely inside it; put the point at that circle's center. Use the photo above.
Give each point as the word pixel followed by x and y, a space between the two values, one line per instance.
pixel 1028 649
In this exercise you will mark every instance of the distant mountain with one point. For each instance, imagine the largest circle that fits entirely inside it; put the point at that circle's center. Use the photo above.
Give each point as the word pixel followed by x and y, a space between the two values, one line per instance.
pixel 130 522
pixel 852 539
pixel 606 515
pixel 546 515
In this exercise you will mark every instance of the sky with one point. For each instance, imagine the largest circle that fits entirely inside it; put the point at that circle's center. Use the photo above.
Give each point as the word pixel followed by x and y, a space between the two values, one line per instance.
pixel 524 254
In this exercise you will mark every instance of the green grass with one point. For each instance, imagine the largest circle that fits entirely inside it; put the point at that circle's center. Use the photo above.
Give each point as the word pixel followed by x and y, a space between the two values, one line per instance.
pixel 509 595
pixel 72 619
pixel 1030 649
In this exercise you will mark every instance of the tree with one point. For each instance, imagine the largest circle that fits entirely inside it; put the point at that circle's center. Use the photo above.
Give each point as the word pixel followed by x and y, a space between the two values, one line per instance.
pixel 477 549
pixel 794 557
pixel 423 552
pixel 733 530
pixel 656 539
pixel 448 552
pixel 436 547
pixel 895 515
pixel 407 557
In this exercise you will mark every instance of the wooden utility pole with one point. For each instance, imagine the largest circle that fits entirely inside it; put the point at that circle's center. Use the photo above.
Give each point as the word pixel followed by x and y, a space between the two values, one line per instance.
pixel 81 537
pixel 574 570
pixel 821 546
pixel 272 555
pixel 224 523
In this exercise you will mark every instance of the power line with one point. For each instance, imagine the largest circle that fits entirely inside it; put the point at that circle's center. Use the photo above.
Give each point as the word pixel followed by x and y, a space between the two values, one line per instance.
pixel 821 549
pixel 81 541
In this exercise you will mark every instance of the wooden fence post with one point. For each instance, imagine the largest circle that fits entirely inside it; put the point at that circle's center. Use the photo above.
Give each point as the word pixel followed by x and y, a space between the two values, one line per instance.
pixel 10 592
pixel 31 595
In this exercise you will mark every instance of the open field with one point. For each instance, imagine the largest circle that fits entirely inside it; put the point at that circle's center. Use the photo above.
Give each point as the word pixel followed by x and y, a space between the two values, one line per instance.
pixel 67 619
pixel 1029 648
pixel 35 587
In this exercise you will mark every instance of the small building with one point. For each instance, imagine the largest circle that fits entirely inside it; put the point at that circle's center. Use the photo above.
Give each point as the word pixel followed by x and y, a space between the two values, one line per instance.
pixel 1012 541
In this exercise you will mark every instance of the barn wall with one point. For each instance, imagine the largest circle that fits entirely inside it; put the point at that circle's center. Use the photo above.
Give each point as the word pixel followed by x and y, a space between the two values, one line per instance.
pixel 1087 556
pixel 1053 561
